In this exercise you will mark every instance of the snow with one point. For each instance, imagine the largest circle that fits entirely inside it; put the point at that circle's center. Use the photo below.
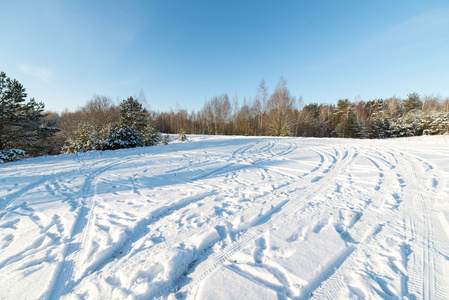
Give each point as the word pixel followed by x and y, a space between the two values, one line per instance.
pixel 230 218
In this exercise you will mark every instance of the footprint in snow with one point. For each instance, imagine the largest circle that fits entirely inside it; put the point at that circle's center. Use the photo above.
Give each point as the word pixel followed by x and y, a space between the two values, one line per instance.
pixel 261 246
pixel 320 225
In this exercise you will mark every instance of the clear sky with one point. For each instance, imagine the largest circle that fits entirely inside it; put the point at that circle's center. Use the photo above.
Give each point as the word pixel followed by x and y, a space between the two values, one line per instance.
pixel 186 51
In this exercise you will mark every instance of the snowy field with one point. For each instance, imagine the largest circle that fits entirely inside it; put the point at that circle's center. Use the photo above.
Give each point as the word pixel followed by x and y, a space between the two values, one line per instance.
pixel 230 218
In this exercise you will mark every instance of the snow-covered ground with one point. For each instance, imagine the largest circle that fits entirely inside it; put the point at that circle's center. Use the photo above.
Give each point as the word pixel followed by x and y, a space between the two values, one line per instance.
pixel 230 218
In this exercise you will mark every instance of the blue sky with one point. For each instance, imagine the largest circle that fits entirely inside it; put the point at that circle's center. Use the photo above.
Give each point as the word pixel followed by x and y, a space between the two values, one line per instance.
pixel 184 52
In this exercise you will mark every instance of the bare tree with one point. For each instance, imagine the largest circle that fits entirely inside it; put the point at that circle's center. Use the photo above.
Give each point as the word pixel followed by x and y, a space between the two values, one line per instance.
pixel 98 112
pixel 392 108
pixel 280 108
pixel 221 107
pixel 298 116
pixel 446 105
pixel 432 103
pixel 261 98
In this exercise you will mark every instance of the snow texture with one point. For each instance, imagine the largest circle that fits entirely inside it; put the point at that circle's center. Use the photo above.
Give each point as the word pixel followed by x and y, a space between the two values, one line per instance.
pixel 230 218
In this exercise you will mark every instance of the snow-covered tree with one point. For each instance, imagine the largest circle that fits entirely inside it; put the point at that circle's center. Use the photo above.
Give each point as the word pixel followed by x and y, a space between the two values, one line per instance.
pixel 121 135
pixel 420 122
pixel 22 130
pixel 133 113
pixel 150 136
pixel 111 137
pixel 412 102
pixel 182 136
pixel 87 138
pixel 377 128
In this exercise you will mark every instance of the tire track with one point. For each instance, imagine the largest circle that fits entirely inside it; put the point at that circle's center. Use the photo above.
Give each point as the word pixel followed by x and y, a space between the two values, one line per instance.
pixel 63 281
pixel 121 251
pixel 422 276
pixel 425 272
pixel 9 198
pixel 276 219
pixel 122 260
pixel 364 232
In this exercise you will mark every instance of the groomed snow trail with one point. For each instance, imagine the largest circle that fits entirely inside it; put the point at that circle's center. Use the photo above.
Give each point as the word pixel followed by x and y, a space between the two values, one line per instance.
pixel 230 218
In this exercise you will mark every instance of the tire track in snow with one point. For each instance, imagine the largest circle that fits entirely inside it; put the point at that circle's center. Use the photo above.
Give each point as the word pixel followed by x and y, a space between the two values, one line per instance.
pixel 425 273
pixel 282 216
pixel 8 199
pixel 121 251
pixel 369 227
pixel 62 281
pixel 124 248
pixel 230 162
pixel 122 263
pixel 364 232
pixel 422 277
pixel 323 167
pixel 259 164
pixel 204 253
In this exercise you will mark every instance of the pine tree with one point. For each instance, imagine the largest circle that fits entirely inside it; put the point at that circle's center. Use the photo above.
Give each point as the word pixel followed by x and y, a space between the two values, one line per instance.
pixel 133 113
pixel 111 137
pixel 182 136
pixel 412 102
pixel 87 138
pixel 22 129
pixel 119 136
pixel 150 136
pixel 345 120
pixel 378 128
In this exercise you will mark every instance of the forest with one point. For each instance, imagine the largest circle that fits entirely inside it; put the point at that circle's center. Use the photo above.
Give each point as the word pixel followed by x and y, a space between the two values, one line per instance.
pixel 26 129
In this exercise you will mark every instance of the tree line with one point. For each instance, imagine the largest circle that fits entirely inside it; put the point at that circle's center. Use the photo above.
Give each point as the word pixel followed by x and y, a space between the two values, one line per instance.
pixel 280 114
pixel 101 124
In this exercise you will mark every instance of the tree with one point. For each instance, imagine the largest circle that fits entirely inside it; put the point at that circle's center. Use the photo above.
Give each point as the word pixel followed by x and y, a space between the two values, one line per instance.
pixel 182 136
pixel 119 136
pixel 446 105
pixel 98 112
pixel 221 109
pixel 261 98
pixel 86 138
pixel 345 121
pixel 280 108
pixel 110 137
pixel 377 128
pixel 150 136
pixel 412 102
pixel 308 123
pixel 133 113
pixel 22 128
pixel 392 108
pixel 432 104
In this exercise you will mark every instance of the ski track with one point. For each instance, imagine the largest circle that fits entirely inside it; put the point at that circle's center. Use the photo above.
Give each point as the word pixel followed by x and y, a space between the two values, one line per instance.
pixel 381 204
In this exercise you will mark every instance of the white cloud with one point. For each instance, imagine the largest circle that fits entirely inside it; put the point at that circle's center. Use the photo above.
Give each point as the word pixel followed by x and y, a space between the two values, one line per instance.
pixel 44 74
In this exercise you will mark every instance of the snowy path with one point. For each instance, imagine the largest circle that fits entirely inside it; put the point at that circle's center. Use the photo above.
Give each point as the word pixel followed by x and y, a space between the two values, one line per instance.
pixel 222 217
